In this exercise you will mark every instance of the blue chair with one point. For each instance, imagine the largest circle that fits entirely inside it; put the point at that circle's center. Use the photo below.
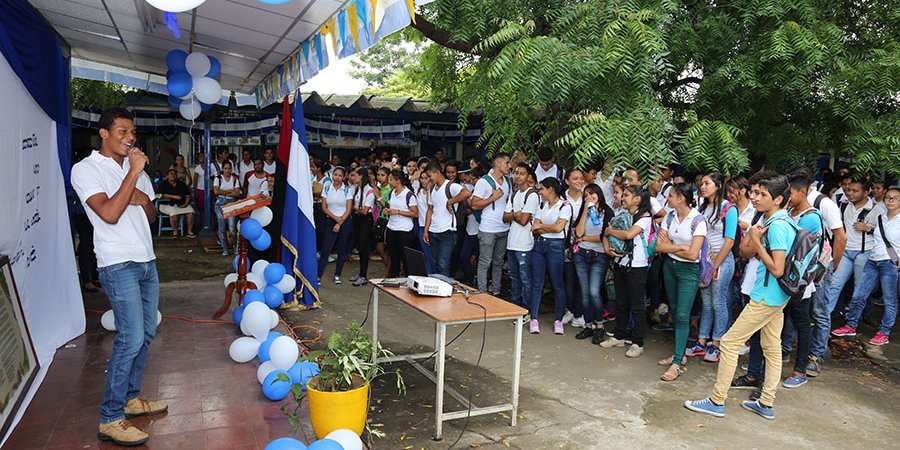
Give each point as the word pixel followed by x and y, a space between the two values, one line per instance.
pixel 162 221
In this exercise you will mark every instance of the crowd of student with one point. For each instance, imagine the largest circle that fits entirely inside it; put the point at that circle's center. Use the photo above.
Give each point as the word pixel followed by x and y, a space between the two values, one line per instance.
pixel 681 255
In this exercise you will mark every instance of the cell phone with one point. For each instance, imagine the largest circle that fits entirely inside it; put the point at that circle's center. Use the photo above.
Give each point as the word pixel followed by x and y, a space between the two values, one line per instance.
pixel 394 161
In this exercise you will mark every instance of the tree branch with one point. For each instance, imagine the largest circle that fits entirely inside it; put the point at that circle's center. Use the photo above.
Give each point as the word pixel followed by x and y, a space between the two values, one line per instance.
pixel 441 36
pixel 681 82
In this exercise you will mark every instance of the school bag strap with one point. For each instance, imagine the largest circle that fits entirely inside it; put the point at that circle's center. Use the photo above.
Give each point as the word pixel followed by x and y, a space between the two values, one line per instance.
pixel 891 251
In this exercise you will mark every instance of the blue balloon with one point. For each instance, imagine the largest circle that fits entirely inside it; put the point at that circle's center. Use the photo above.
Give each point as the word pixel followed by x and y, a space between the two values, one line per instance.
pixel 179 84
pixel 275 389
pixel 254 295
pixel 175 59
pixel 273 335
pixel 274 297
pixel 205 107
pixel 237 315
pixel 301 372
pixel 214 67
pixel 251 228
pixel 262 242
pixel 274 272
pixel 175 102
pixel 263 352
pixel 285 443
pixel 325 444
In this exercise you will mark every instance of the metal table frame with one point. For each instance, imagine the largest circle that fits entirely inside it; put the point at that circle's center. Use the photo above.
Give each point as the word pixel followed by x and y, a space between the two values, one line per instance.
pixel 437 376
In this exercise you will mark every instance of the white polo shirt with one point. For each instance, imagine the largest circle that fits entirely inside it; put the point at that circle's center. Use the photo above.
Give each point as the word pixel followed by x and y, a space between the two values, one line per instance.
pixel 891 231
pixel 492 215
pixel 540 173
pixel 549 215
pixel 830 211
pixel 244 169
pixel 520 238
pixel 401 202
pixel 680 232
pixel 441 219
pixel 269 168
pixel 129 239
pixel 336 198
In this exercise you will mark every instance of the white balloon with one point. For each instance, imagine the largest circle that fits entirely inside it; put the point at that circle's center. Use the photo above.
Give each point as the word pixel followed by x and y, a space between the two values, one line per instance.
pixel 158 317
pixel 190 109
pixel 264 370
pixel 243 349
pixel 287 284
pixel 230 278
pixel 108 321
pixel 175 5
pixel 263 215
pixel 275 319
pixel 256 320
pixel 259 268
pixel 197 65
pixel 258 280
pixel 284 352
pixel 188 96
pixel 207 90
pixel 347 438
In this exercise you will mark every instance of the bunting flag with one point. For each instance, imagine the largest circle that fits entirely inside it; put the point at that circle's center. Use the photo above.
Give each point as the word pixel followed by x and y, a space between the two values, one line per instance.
pixel 390 16
pixel 353 23
pixel 331 26
pixel 343 42
pixel 321 54
pixel 411 4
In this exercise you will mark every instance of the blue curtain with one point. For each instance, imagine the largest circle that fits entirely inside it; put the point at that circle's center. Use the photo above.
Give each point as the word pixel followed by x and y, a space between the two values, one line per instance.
pixel 30 46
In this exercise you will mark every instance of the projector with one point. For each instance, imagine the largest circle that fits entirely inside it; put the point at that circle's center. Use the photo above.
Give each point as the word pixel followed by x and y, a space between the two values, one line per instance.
pixel 429 286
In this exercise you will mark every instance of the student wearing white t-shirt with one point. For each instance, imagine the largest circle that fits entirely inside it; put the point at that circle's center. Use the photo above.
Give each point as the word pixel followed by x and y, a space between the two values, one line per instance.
pixel 680 238
pixel 269 161
pixel 551 223
pixel 337 205
pixel 228 189
pixel 440 220
pixel 574 196
pixel 403 218
pixel 363 220
pixel 547 167
pixel 630 271
pixel 467 237
pixel 591 261
pixel 523 204
pixel 488 201
pixel 422 194
pixel 245 165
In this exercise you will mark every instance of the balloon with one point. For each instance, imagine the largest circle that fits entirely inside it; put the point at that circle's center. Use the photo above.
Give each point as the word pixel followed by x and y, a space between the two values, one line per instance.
pixel 243 349
pixel 179 84
pixel 259 268
pixel 275 389
pixel 273 335
pixel 251 228
pixel 275 319
pixel 237 315
pixel 175 61
pixel 264 370
pixel 301 372
pixel 346 438
pixel 284 352
pixel 234 263
pixel 274 297
pixel 205 107
pixel 258 280
pixel 175 6
pixel 254 295
pixel 263 215
pixel 214 67
pixel 325 444
pixel 190 109
pixel 197 64
pixel 158 317
pixel 263 352
pixel 256 320
pixel 108 321
pixel 230 278
pixel 274 273
pixel 285 443
pixel 274 2
pixel 287 284
pixel 207 90
pixel 174 101
pixel 262 242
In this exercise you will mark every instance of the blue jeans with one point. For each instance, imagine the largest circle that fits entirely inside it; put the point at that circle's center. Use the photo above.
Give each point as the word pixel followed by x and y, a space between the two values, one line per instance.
pixel 875 271
pixel 426 249
pixel 330 239
pixel 591 275
pixel 442 250
pixel 826 298
pixel 715 314
pixel 548 259
pixel 232 223
pixel 468 247
pixel 133 292
pixel 520 280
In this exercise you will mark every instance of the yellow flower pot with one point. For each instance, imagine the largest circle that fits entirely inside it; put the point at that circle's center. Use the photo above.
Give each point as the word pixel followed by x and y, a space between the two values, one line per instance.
pixel 329 411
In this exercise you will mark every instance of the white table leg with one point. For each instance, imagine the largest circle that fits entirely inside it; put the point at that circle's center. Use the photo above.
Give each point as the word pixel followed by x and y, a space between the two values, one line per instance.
pixel 439 368
pixel 517 364
pixel 375 324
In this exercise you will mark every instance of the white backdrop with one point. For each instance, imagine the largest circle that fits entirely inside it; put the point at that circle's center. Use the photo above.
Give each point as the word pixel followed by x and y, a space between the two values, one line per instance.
pixel 34 223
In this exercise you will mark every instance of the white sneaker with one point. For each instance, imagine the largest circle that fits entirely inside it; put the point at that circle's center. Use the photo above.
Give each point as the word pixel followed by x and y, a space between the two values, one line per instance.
pixel 612 342
pixel 567 317
pixel 634 351
pixel 663 309
pixel 337 280
pixel 744 350
pixel 578 322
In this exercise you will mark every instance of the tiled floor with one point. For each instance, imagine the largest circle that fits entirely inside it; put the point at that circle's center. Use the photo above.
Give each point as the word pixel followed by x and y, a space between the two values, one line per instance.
pixel 214 403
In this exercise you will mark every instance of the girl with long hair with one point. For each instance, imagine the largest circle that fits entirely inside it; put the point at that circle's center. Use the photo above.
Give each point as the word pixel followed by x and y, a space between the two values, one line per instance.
pixel 630 271
pixel 337 205
pixel 403 214
pixel 382 198
pixel 574 195
pixel 550 227
pixel 363 203
pixel 227 188
pixel 680 238
pixel 422 194
pixel 590 260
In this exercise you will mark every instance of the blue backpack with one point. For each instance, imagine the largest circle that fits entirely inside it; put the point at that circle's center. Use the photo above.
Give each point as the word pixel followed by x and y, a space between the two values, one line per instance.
pixel 493 183
pixel 803 264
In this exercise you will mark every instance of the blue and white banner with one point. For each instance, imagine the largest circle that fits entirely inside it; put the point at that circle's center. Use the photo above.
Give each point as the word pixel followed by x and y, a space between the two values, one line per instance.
pixel 298 230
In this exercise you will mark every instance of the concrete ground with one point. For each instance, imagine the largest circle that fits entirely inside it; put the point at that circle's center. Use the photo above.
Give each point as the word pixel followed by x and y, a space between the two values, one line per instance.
pixel 576 395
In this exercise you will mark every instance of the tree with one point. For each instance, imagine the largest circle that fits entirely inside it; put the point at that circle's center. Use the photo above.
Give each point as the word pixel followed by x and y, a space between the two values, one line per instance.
pixel 387 58
pixel 99 95
pixel 710 83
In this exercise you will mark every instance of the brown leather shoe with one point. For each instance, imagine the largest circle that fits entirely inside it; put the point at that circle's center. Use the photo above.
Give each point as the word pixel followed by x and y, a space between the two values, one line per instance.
pixel 122 432
pixel 140 407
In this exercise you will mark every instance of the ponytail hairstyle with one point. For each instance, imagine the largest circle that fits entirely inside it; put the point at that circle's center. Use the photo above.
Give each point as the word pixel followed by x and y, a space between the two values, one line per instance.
pixel 402 177
pixel 553 183
pixel 684 191
pixel 739 182
pixel 644 206
pixel 363 173
pixel 382 169
pixel 713 217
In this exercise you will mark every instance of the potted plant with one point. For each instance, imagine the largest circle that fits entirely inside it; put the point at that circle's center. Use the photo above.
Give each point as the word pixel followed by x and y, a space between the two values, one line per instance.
pixel 339 395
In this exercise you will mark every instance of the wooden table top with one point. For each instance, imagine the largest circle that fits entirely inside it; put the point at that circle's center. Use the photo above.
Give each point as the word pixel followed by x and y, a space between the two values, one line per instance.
pixel 455 308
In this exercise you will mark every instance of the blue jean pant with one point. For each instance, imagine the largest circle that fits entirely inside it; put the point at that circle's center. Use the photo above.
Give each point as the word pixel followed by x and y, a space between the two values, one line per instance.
pixel 442 250
pixel 330 239
pixel 852 264
pixel 133 292
pixel 591 276
pixel 520 280
pixel 231 221
pixel 426 250
pixel 548 259
pixel 875 271
pixel 715 313
pixel 467 248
